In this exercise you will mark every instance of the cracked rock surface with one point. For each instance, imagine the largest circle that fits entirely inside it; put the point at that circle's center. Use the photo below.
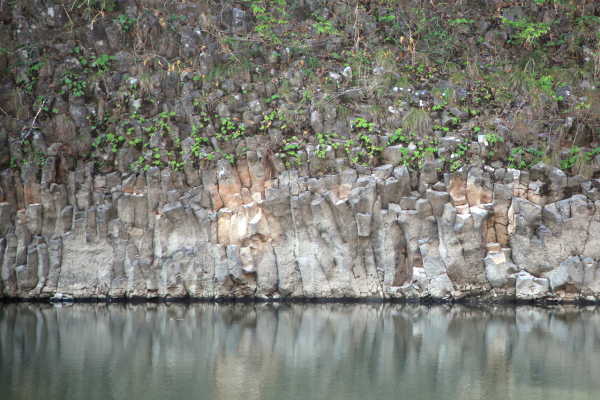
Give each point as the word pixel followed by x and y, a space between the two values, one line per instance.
pixel 270 236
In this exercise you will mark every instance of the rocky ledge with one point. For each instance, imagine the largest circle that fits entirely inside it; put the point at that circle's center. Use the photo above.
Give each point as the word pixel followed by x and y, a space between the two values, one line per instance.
pixel 248 231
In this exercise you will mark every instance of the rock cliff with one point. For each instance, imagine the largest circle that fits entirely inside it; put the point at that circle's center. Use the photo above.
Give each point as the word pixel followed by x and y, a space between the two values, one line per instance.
pixel 247 231
pixel 215 150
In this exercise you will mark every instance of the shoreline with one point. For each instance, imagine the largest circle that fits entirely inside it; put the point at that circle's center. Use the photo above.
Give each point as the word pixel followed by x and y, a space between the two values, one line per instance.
pixel 349 301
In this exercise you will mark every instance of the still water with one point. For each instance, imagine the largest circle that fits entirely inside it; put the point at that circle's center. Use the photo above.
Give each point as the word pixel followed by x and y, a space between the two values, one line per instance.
pixel 298 351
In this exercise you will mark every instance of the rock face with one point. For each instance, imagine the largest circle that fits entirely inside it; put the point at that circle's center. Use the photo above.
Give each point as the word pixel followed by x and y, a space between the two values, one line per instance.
pixel 271 235
pixel 183 152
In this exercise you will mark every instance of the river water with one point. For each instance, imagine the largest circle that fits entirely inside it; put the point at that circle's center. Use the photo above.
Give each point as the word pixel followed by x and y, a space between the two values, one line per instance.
pixel 298 351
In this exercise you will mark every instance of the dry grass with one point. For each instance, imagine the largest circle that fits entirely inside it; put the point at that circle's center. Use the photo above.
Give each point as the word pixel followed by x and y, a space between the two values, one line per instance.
pixel 472 69
pixel 101 110
pixel 537 104
pixel 354 19
pixel 417 121
pixel 65 131
pixel 448 95
pixel 456 76
pixel 294 119
pixel 420 58
pixel 342 112
pixel 378 113
pixel 557 133
pixel 146 83
pixel 551 157
pixel 384 57
pixel 520 82
pixel 582 166
pixel 81 145
pixel 524 131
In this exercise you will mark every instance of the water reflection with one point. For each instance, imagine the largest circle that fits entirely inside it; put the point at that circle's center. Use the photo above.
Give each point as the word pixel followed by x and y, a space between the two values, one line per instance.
pixel 300 351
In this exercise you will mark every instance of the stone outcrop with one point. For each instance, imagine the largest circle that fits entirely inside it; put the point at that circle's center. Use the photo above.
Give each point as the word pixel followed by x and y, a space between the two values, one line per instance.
pixel 277 235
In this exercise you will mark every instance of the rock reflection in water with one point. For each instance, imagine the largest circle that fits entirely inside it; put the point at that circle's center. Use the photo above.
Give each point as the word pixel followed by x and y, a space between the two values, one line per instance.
pixel 299 351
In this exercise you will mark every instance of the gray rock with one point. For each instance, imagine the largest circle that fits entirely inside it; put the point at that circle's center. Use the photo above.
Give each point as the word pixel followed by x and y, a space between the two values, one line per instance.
pixel 363 223
pixel 496 38
pixel 238 22
pixel 500 271
pixel 255 107
pixel 462 115
pixel 531 288
pixel 351 96
pixel 336 78
pixel 461 245
pixel 568 275
pixel 347 73
pixel 384 171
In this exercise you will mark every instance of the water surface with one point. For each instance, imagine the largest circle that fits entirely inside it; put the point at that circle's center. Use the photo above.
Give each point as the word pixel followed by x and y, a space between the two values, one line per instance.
pixel 298 351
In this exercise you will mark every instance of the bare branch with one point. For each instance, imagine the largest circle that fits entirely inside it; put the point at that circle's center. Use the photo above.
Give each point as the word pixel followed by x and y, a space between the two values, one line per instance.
pixel 33 122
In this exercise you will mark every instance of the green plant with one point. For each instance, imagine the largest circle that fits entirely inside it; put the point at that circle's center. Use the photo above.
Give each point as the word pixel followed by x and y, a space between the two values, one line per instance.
pixel 111 139
pixel 272 98
pixel 229 158
pixel 102 62
pixel 362 123
pixel 441 128
pixel 229 130
pixel 292 149
pixel 268 14
pixel 528 32
pixel 126 23
pixel 590 154
pixel 493 140
pixel 567 163
pixel 397 137
pixel 74 84
pixel 455 165
pixel 460 21
pixel 546 83
pixel 39 158
pixel 325 27
pixel 439 107
pixel 524 158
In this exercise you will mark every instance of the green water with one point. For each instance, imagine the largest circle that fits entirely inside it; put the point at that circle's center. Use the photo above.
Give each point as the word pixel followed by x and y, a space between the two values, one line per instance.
pixel 299 351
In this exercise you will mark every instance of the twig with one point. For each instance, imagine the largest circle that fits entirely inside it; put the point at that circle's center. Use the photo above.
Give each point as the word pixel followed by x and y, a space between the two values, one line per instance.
pixel 3 111
pixel 33 122
pixel 239 39
pixel 68 13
